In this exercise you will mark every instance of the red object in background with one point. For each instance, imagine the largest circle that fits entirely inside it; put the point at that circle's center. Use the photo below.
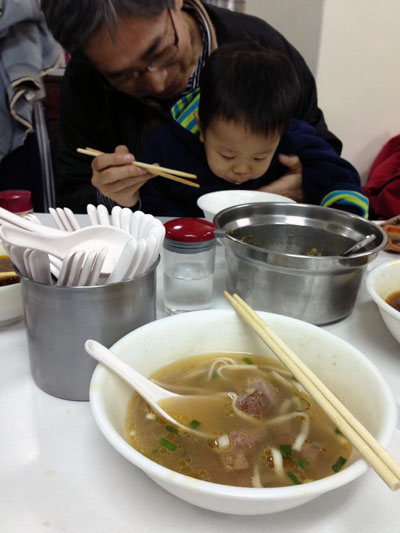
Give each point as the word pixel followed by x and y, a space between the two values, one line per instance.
pixel 16 201
pixel 383 186
pixel 189 229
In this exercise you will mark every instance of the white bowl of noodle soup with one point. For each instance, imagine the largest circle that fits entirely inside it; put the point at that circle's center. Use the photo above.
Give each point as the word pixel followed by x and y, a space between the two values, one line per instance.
pixel 343 368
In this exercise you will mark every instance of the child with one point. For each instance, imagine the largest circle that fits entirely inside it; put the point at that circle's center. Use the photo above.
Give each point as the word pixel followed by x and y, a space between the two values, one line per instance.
pixel 232 136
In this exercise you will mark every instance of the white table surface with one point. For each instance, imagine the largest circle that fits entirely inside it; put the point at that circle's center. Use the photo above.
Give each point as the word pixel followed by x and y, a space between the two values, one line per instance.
pixel 59 474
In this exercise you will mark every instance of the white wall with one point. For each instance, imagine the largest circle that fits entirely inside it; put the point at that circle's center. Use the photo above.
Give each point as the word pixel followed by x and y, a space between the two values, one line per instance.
pixel 353 49
pixel 298 20
pixel 358 75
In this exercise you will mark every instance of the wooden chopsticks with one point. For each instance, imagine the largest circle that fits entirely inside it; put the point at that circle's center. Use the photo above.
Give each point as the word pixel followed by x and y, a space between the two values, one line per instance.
pixel 379 459
pixel 168 173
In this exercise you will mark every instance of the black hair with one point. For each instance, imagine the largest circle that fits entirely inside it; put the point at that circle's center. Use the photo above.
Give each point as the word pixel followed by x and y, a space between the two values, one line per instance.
pixel 247 83
pixel 73 22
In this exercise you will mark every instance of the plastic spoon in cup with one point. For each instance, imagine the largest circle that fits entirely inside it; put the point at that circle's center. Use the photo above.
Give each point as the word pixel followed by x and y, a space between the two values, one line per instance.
pixel 40 267
pixel 95 273
pixel 75 269
pixel 125 218
pixel 89 238
pixel 12 220
pixel 115 216
pixel 124 263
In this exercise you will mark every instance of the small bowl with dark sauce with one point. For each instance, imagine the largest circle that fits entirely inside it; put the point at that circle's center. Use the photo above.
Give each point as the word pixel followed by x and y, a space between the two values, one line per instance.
pixel 383 285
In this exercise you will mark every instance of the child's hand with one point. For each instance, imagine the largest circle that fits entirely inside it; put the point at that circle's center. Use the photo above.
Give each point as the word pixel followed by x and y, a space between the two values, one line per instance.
pixel 290 184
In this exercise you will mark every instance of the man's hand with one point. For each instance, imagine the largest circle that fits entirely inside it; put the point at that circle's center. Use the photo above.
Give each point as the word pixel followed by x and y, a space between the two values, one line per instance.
pixel 115 176
pixel 290 184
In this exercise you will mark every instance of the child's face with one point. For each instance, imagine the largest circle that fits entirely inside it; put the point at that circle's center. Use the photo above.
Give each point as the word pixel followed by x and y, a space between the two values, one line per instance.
pixel 234 153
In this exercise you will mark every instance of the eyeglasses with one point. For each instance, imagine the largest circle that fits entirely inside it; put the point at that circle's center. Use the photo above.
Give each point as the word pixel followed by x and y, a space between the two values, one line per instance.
pixel 166 55
pixel 162 61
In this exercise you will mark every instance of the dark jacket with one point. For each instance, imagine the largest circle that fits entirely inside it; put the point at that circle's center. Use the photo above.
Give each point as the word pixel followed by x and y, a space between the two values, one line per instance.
pixel 175 147
pixel 96 115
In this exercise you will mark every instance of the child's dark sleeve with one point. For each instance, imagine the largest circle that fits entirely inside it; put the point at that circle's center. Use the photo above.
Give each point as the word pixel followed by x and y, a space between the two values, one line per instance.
pixel 328 179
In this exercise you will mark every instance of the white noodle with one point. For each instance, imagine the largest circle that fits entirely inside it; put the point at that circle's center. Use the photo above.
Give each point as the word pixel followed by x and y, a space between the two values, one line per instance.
pixel 278 461
pixel 301 437
pixel 255 479
pixel 279 370
pixel 220 360
pixel 244 366
pixel 284 408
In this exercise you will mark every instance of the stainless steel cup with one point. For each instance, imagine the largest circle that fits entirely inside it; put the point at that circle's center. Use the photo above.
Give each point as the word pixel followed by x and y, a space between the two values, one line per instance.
pixel 60 319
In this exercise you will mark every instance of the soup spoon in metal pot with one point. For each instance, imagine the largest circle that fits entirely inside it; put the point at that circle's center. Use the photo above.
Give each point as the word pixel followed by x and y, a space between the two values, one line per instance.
pixel 359 245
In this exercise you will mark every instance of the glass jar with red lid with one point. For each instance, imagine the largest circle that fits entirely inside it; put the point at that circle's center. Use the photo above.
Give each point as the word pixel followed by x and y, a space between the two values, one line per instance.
pixel 188 264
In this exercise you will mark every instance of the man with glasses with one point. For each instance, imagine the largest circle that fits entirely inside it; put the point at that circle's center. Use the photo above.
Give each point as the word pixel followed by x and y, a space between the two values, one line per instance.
pixel 131 60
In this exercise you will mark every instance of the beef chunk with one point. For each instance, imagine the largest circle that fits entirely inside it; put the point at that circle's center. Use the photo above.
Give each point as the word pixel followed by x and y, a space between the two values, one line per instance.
pixel 259 399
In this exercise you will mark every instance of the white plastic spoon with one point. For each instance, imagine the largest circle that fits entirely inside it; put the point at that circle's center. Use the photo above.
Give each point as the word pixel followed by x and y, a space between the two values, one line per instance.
pixel 97 266
pixel 137 259
pixel 16 254
pixel 40 267
pixel 103 216
pixel 125 219
pixel 92 212
pixel 75 269
pixel 13 220
pixel 135 223
pixel 89 238
pixel 124 263
pixel 149 391
pixel 115 216
pixel 65 268
pixel 87 267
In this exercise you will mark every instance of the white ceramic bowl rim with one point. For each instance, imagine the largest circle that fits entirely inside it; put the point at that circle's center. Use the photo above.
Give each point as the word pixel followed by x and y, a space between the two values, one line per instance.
pixel 240 493
pixel 370 283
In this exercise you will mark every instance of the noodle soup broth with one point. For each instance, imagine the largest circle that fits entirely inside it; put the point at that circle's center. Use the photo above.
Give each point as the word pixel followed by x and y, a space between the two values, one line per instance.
pixel 247 422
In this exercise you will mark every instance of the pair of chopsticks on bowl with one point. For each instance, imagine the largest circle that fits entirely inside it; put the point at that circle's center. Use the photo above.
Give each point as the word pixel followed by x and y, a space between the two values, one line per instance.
pixel 379 459
pixel 168 173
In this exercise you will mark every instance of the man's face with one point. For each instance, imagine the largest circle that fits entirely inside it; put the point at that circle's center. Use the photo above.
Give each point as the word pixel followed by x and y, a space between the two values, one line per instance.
pixel 235 154
pixel 163 41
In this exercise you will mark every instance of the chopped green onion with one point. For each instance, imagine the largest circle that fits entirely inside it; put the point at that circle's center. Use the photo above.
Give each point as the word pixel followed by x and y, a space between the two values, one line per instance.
pixel 194 424
pixel 167 444
pixel 294 478
pixel 214 374
pixel 171 429
pixel 301 463
pixel 154 452
pixel 248 361
pixel 339 463
pixel 286 450
pixel 337 430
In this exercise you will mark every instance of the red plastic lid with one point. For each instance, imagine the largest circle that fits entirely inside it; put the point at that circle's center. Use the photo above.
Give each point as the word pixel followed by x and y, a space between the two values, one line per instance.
pixel 17 201
pixel 189 230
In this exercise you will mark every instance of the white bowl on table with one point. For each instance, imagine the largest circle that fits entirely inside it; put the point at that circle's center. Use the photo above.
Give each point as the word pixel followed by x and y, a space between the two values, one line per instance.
pixel 343 368
pixel 381 282
pixel 213 202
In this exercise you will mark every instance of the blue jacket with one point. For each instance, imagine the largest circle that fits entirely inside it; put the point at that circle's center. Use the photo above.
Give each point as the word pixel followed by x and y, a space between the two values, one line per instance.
pixel 175 147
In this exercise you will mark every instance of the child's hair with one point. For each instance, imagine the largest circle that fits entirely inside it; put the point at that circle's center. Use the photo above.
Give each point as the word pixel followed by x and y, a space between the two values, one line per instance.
pixel 249 84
